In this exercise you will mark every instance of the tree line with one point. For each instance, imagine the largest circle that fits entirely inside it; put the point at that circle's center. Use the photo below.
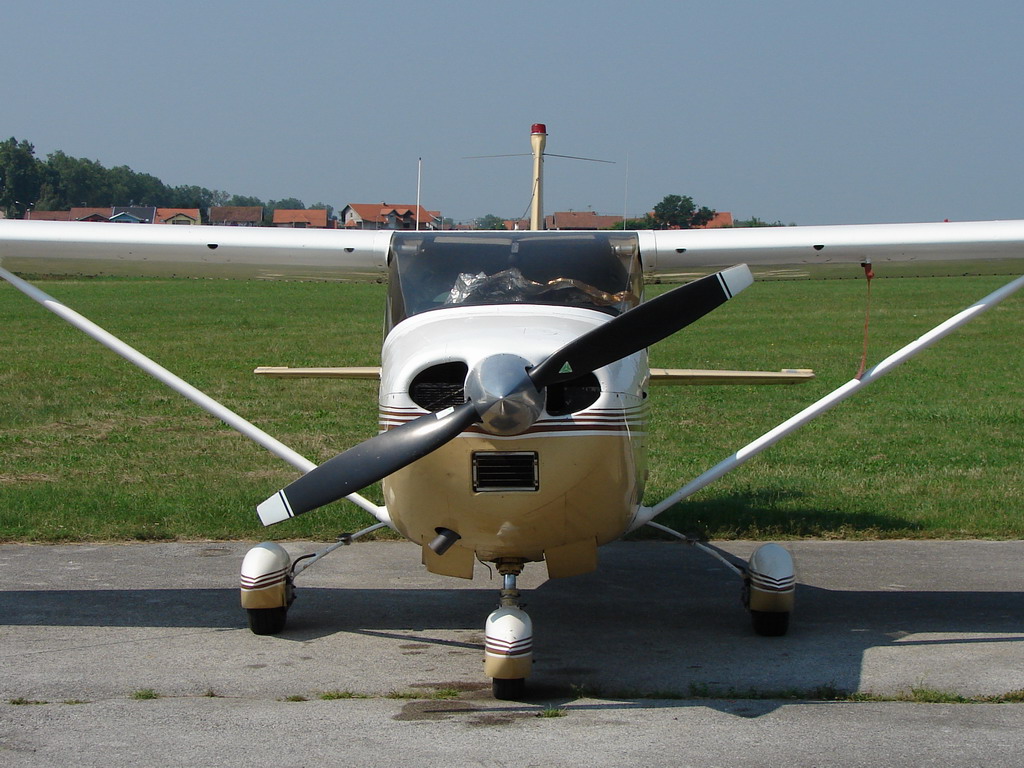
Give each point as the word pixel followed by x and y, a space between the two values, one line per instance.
pixel 673 212
pixel 61 182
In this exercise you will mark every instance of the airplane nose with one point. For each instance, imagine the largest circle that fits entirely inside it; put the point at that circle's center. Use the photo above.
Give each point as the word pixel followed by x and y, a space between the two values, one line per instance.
pixel 507 402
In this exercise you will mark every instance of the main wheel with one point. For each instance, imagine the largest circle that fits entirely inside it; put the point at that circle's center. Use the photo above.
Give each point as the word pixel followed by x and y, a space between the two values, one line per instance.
pixel 770 624
pixel 267 621
pixel 508 689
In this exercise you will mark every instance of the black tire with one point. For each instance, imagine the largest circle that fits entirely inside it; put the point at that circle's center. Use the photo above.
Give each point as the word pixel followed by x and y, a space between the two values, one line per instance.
pixel 267 621
pixel 770 623
pixel 508 689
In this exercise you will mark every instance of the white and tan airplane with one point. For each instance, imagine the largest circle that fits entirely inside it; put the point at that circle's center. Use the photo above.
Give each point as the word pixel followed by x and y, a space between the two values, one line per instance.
pixel 513 381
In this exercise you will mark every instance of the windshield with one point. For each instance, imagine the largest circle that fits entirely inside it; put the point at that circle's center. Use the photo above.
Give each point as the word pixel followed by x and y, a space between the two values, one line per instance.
pixel 434 270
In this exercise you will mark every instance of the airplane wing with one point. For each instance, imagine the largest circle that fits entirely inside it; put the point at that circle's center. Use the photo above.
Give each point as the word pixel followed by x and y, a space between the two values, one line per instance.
pixel 207 251
pixel 678 251
pixel 64 247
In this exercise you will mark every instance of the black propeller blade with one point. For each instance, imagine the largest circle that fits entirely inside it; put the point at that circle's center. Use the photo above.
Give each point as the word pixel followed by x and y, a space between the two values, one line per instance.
pixel 366 463
pixel 641 327
pixel 389 451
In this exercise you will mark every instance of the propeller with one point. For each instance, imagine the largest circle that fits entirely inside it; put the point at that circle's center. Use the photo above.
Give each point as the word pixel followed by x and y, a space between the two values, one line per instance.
pixel 503 395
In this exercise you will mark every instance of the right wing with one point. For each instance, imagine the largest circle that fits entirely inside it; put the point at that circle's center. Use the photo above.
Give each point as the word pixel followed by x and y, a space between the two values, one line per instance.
pixel 670 252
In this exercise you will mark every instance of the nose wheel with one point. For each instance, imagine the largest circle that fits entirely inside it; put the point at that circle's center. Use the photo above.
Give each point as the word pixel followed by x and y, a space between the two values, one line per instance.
pixel 508 638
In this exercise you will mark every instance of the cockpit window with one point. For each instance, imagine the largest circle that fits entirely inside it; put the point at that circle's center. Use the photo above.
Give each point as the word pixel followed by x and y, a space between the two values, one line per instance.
pixel 434 270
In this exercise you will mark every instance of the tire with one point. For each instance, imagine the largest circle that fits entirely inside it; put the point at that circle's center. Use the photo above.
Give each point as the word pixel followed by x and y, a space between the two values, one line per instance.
pixel 508 689
pixel 770 624
pixel 267 621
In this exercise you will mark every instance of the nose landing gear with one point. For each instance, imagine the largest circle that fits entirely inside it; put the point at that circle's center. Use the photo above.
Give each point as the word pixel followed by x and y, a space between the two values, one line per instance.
pixel 508 638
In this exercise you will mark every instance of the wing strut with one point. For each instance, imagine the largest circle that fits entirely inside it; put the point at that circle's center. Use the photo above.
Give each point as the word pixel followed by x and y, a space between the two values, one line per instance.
pixel 645 514
pixel 180 386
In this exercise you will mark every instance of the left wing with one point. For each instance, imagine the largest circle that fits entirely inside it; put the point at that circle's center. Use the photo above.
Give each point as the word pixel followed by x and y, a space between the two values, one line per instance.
pixel 100 248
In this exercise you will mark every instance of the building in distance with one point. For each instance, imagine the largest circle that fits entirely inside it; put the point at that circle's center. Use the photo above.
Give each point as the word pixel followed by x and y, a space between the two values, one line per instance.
pixel 388 216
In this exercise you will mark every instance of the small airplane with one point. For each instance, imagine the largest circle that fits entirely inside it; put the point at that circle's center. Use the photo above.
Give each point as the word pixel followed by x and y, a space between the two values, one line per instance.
pixel 514 383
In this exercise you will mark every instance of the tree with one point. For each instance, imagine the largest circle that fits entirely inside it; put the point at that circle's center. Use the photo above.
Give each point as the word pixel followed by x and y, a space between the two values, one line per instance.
pixel 20 177
pixel 680 212
pixel 197 197
pixel 323 207
pixel 490 221
pixel 70 181
pixel 288 204
pixel 753 221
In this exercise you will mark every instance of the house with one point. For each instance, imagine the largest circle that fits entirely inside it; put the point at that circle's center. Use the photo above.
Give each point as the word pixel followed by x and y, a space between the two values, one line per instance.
pixel 721 219
pixel 385 216
pixel 300 218
pixel 48 215
pixel 237 215
pixel 133 214
pixel 580 220
pixel 187 216
pixel 91 214
pixel 591 220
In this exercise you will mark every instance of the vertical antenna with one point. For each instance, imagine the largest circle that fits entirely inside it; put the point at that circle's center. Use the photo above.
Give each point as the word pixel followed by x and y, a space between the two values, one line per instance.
pixel 625 194
pixel 538 139
pixel 419 178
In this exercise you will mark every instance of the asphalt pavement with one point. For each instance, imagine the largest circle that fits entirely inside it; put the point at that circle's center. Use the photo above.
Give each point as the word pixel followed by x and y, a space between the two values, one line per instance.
pixel 134 654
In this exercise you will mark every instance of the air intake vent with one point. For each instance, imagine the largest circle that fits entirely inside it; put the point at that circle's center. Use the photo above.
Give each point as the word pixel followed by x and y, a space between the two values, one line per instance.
pixel 440 386
pixel 505 471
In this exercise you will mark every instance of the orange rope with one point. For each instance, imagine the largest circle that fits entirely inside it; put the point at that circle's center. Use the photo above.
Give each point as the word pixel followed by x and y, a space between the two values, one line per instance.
pixel 869 274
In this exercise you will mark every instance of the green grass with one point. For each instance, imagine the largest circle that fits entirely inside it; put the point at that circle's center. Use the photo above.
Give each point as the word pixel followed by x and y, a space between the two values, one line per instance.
pixel 548 712
pixel 93 449
pixel 932 450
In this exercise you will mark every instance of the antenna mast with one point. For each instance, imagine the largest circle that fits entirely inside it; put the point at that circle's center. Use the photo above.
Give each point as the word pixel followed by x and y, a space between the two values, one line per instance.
pixel 538 138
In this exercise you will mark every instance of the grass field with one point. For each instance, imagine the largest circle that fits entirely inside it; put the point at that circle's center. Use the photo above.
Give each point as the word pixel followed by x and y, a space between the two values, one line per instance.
pixel 92 449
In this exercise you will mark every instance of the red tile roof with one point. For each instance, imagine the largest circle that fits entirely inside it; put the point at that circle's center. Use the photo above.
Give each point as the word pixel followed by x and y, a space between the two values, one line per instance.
pixel 248 213
pixel 378 212
pixel 580 220
pixel 48 215
pixel 163 214
pixel 313 217
pixel 722 219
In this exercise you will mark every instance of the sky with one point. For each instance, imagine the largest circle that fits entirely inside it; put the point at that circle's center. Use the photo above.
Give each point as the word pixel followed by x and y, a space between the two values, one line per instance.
pixel 799 112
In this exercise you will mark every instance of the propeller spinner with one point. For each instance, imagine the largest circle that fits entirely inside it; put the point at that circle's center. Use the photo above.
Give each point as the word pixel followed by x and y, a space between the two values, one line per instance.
pixel 504 395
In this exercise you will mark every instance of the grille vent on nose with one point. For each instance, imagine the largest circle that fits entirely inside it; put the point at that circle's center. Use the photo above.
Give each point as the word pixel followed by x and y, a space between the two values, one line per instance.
pixel 505 471
pixel 440 386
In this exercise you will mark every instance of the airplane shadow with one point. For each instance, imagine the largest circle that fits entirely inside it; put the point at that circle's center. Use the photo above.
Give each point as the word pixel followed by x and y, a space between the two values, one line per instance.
pixel 782 511
pixel 656 621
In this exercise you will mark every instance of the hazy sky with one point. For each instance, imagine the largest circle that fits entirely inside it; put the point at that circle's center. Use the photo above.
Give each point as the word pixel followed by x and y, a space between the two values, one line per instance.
pixel 806 112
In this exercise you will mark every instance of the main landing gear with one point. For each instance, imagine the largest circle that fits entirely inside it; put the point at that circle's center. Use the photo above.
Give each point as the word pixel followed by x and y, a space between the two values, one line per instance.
pixel 769 582
pixel 268 580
